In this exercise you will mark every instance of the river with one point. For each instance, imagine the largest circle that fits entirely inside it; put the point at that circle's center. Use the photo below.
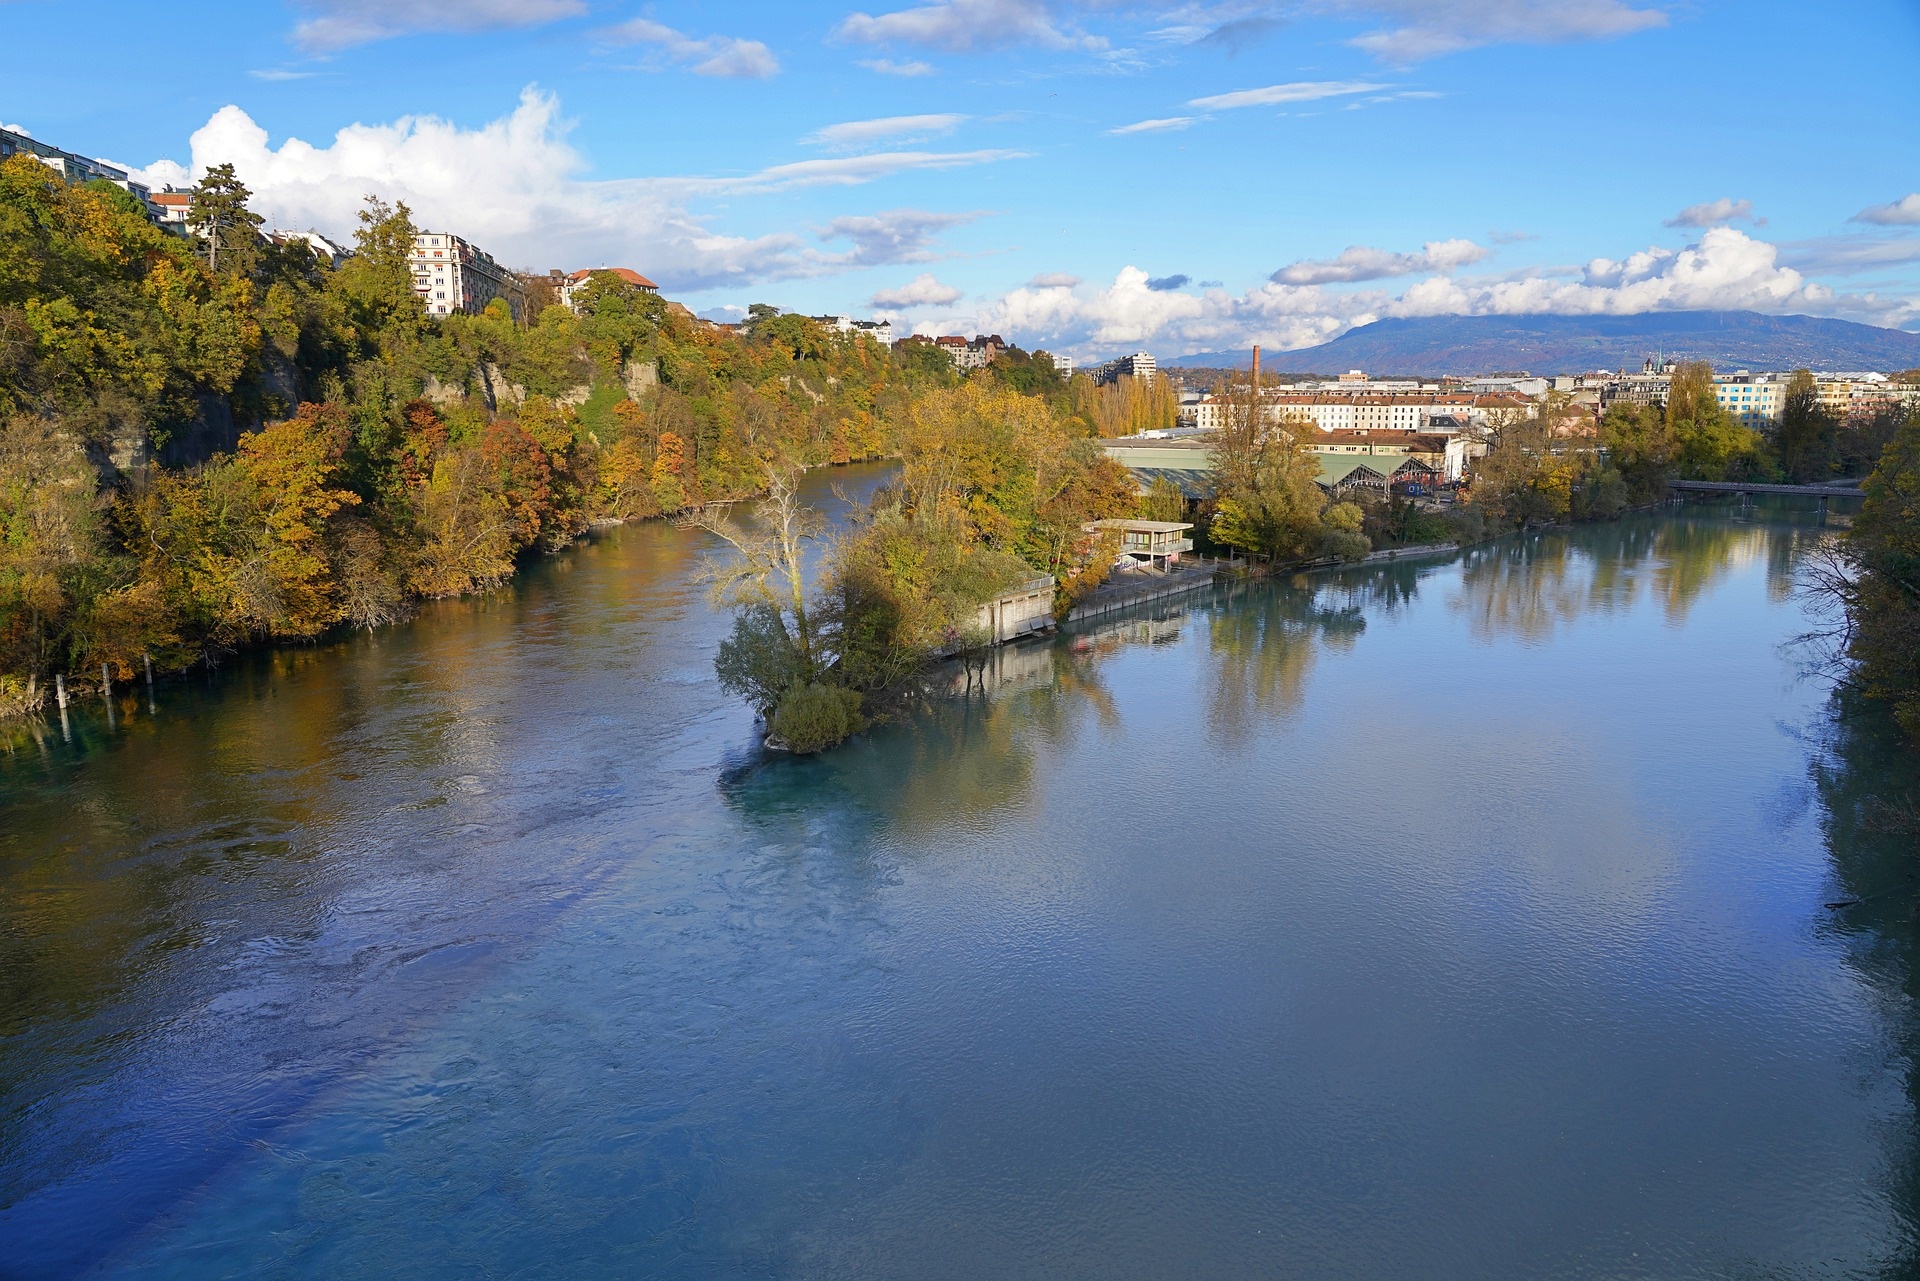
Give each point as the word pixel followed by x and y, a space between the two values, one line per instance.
pixel 1464 918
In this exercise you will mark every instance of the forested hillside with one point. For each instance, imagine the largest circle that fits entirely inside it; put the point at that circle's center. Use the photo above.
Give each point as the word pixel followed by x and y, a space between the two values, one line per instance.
pixel 213 442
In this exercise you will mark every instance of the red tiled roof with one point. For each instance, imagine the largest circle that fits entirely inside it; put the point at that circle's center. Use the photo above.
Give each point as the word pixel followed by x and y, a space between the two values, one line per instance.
pixel 625 273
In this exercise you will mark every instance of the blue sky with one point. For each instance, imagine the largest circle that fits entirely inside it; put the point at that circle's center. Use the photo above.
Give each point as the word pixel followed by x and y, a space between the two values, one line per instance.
pixel 1088 177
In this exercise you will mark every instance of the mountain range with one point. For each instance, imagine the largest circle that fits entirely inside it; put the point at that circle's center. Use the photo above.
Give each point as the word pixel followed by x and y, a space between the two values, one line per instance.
pixel 1544 344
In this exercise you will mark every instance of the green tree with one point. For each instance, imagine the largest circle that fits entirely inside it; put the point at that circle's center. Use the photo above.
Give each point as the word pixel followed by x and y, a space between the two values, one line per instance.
pixel 376 283
pixel 1640 445
pixel 1880 597
pixel 1806 439
pixel 1708 442
pixel 228 230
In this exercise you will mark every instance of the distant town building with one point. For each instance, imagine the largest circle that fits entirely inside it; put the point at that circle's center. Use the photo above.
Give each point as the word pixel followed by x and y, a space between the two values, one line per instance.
pixel 333 252
pixel 1755 400
pixel 971 353
pixel 453 276
pixel 170 209
pixel 881 331
pixel 1062 364
pixel 1139 365
pixel 566 285
pixel 76 168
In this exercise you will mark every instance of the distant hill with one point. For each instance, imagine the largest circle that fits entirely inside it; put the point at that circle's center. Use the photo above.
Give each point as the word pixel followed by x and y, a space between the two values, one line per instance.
pixel 1577 344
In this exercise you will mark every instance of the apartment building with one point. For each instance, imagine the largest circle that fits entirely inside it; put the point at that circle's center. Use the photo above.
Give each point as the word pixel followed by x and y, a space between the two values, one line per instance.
pixel 1755 399
pixel 1335 411
pixel 1139 365
pixel 77 168
pixel 567 284
pixel 453 276
pixel 881 331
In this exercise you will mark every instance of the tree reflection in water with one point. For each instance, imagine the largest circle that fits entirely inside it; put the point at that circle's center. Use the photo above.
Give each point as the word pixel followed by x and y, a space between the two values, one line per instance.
pixel 1867 777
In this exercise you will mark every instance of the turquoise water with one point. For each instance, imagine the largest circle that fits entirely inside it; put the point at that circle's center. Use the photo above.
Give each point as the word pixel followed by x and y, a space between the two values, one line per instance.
pixel 1463 918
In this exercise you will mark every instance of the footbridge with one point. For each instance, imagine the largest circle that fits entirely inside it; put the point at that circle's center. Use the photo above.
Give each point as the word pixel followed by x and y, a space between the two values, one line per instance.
pixel 1838 489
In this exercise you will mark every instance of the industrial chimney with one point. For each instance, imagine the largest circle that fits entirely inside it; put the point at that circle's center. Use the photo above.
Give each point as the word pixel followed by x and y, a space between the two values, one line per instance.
pixel 1256 369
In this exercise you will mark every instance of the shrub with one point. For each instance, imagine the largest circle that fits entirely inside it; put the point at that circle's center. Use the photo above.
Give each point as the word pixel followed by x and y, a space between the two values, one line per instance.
pixel 812 718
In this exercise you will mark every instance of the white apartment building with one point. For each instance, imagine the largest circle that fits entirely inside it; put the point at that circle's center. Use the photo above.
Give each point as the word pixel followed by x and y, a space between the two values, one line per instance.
pixel 1340 411
pixel 1139 365
pixel 453 276
pixel 1755 399
pixel 322 247
pixel 1064 364
pixel 881 331
pixel 77 168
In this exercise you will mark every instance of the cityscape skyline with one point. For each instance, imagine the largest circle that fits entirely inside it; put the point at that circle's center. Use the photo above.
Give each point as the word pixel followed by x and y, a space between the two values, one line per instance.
pixel 1085 178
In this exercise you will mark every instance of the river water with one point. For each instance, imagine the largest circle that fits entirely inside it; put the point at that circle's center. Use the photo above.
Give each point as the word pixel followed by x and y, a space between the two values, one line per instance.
pixel 1456 919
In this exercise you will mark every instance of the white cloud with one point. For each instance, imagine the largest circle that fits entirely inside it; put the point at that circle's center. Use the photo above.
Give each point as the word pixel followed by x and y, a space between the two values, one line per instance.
pixel 19 129
pixel 1054 280
pixel 1851 255
pixel 281 73
pixel 1725 269
pixel 898 235
pixel 726 56
pixel 922 291
pixel 1429 28
pixel 1714 212
pixel 512 187
pixel 1272 95
pixel 1362 262
pixel 1159 126
pixel 341 23
pixel 888 67
pixel 858 133
pixel 961 26
pixel 1904 212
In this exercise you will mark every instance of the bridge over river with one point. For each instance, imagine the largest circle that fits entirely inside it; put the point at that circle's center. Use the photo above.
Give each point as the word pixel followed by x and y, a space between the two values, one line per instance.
pixel 1839 489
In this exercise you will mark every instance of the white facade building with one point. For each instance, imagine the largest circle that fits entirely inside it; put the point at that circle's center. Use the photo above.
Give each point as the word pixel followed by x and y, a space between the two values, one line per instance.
pixel 881 331
pixel 1139 365
pixel 1755 399
pixel 453 276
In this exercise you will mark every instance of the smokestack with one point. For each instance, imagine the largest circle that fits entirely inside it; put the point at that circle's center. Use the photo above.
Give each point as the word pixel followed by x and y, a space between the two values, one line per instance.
pixel 1256 368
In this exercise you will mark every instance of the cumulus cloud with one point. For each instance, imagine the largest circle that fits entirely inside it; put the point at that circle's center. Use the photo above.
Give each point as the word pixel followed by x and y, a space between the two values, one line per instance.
pixel 1054 280
pixel 338 24
pixel 513 187
pixel 1904 212
pixel 922 291
pixel 1273 95
pixel 726 56
pixel 961 26
pixel 1161 284
pixel 859 133
pixel 1725 269
pixel 1715 212
pixel 888 67
pixel 1422 29
pixel 1363 262
pixel 1167 125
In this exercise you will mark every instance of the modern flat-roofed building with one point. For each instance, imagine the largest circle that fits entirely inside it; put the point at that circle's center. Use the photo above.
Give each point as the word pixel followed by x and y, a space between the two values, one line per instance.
pixel 1139 365
pixel 1156 542
pixel 1755 399
pixel 451 276
pixel 76 168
